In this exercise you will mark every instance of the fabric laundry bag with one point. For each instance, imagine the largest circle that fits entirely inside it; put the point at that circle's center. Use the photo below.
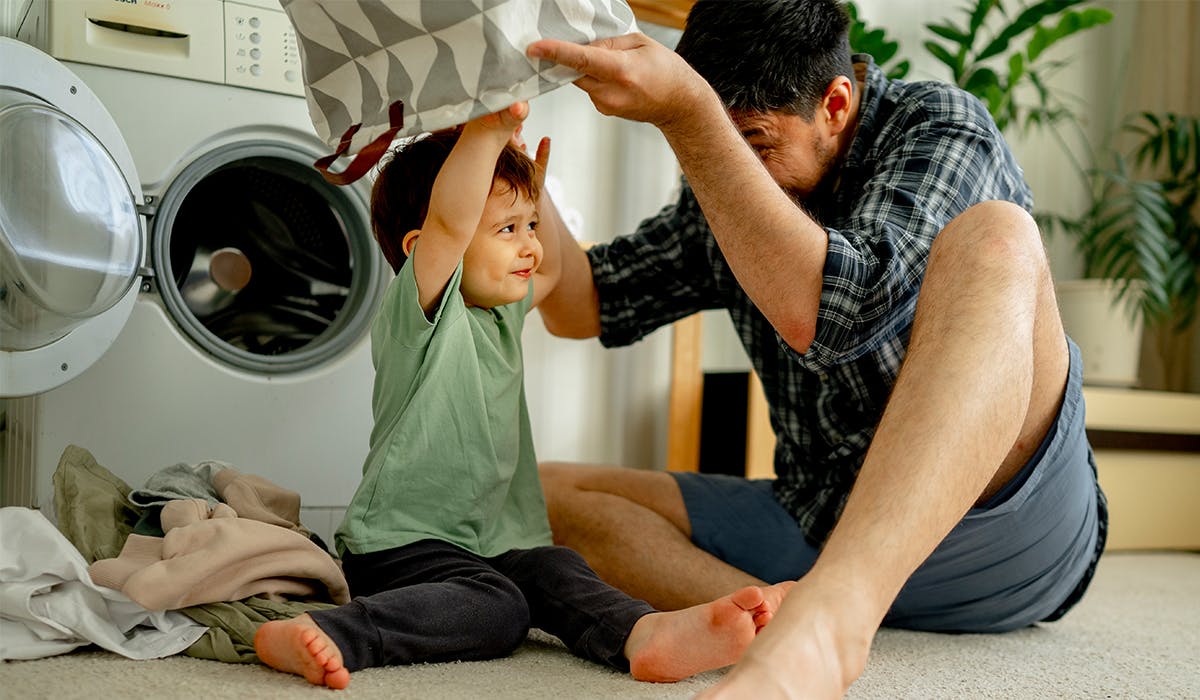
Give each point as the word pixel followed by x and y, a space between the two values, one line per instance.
pixel 376 70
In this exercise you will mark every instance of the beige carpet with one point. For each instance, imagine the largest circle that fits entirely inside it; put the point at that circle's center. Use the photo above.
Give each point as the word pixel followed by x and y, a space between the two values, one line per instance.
pixel 1135 635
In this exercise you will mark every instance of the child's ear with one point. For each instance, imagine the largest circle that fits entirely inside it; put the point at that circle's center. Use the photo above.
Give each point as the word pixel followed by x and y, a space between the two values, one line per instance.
pixel 410 239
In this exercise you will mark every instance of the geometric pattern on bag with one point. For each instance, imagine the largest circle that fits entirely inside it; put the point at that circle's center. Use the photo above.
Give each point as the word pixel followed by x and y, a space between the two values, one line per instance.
pixel 444 61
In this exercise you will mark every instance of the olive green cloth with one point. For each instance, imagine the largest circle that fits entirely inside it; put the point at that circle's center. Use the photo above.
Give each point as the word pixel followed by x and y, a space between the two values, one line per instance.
pixel 94 513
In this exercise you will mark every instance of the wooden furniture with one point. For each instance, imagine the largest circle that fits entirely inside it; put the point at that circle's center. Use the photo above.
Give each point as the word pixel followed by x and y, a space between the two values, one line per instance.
pixel 669 13
pixel 1147 447
pixel 686 403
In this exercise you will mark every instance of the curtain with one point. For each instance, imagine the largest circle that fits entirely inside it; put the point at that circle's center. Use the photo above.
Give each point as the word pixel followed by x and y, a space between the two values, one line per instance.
pixel 1164 76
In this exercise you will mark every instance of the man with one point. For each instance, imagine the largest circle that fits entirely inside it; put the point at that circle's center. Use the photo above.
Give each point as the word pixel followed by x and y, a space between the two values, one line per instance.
pixel 930 448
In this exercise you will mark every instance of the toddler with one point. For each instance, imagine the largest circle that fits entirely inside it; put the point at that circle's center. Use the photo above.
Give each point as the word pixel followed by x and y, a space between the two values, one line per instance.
pixel 446 544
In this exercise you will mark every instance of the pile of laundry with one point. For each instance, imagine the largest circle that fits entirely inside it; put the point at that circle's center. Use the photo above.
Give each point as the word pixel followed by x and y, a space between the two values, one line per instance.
pixel 194 562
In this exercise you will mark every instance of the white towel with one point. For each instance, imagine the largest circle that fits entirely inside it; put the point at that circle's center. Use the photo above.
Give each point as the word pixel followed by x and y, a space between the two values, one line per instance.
pixel 49 605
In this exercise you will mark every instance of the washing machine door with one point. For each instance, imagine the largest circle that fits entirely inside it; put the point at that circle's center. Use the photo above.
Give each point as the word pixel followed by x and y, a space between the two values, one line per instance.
pixel 71 239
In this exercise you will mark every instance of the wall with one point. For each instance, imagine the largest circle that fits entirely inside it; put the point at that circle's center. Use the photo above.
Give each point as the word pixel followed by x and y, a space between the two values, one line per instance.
pixel 586 403
pixel 10 14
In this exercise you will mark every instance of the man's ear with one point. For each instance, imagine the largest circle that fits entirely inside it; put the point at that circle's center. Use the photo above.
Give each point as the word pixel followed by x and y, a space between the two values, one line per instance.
pixel 410 239
pixel 837 104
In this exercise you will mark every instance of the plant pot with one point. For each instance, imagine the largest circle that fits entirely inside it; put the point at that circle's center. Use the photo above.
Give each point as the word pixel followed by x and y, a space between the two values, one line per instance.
pixel 1107 331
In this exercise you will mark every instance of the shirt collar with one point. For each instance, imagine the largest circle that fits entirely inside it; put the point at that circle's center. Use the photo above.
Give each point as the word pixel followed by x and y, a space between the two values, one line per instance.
pixel 874 87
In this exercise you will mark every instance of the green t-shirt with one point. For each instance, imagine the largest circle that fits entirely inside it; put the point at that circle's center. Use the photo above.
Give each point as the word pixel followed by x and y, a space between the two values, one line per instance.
pixel 451 451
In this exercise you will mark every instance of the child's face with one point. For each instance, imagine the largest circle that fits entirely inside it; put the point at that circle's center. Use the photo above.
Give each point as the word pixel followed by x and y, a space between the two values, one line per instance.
pixel 505 251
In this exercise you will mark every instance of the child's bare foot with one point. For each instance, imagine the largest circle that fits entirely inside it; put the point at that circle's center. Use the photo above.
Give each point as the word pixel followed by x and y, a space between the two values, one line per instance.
pixel 772 598
pixel 670 646
pixel 299 646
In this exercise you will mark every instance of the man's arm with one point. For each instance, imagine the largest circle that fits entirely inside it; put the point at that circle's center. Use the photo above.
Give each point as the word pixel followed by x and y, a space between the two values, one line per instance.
pixel 457 200
pixel 572 308
pixel 549 272
pixel 776 251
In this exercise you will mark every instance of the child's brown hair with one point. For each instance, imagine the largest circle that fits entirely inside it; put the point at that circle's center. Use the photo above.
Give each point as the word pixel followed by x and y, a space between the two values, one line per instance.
pixel 400 195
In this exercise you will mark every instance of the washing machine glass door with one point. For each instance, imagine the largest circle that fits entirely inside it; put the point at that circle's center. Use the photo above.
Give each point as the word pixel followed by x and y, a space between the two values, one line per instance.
pixel 71 242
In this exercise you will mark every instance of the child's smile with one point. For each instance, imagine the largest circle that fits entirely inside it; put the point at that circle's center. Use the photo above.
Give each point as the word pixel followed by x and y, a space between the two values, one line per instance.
pixel 505 251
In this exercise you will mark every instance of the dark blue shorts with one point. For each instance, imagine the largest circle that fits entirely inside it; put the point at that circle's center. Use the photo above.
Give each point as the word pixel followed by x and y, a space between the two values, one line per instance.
pixel 1025 556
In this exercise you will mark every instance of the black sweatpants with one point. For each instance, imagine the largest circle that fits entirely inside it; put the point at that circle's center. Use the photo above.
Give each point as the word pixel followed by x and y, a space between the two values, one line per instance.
pixel 432 601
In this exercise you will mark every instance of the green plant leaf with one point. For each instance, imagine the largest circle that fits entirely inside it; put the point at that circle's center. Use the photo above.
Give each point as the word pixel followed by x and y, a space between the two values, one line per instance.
pixel 979 15
pixel 887 50
pixel 1071 22
pixel 940 53
pixel 949 31
pixel 874 42
pixel 1016 69
pixel 898 71
pixel 1029 18
pixel 1173 138
pixel 982 81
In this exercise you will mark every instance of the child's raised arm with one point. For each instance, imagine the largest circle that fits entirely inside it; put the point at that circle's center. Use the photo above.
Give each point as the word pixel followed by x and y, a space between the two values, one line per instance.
pixel 456 203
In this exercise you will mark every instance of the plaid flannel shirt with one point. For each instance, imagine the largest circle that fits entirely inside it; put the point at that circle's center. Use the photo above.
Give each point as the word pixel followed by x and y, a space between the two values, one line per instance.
pixel 922 153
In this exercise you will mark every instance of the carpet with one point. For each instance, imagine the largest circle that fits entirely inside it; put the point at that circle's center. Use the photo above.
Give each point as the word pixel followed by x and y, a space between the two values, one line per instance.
pixel 1136 634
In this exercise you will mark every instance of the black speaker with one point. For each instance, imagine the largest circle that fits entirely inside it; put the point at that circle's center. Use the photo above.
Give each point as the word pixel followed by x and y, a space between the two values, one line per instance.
pixel 723 423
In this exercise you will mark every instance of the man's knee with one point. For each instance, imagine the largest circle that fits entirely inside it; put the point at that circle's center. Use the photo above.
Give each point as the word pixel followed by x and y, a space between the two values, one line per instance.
pixel 994 235
pixel 582 497
pixel 557 484
pixel 556 476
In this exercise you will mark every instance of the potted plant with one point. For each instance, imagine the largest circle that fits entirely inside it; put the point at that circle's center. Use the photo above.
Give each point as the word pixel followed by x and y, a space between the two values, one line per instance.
pixel 982 62
pixel 1139 238
pixel 993 54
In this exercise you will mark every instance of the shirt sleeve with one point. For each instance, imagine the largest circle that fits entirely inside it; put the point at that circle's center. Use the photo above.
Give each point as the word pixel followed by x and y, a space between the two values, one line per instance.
pixel 656 275
pixel 924 176
pixel 400 316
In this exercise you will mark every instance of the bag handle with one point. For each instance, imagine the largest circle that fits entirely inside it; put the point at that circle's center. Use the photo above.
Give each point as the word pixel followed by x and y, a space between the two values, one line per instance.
pixel 368 156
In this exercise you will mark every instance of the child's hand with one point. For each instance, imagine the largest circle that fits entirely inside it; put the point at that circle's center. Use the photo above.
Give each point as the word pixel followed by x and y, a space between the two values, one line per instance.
pixel 507 120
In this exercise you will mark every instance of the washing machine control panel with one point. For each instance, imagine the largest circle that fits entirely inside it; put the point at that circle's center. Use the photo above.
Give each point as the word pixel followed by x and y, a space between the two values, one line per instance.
pixel 261 50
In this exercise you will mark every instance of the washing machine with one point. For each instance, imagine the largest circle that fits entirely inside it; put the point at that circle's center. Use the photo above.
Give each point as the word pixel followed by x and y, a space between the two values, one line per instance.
pixel 215 302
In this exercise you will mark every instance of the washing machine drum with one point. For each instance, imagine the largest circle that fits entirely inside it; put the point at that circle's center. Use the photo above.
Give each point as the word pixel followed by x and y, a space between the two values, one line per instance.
pixel 262 263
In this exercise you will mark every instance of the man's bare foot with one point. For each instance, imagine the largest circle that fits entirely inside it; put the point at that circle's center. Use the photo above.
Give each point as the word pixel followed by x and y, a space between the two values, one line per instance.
pixel 670 646
pixel 299 646
pixel 816 647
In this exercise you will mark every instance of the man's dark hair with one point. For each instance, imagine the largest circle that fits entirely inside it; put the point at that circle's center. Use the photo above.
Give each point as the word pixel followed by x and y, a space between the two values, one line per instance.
pixel 400 195
pixel 768 55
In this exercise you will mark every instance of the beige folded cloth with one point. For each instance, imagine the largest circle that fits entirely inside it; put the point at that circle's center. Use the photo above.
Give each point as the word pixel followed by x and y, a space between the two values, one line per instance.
pixel 186 511
pixel 221 559
pixel 259 499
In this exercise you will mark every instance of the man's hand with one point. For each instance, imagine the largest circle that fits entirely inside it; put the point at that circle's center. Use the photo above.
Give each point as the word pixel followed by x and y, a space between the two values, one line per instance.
pixel 633 77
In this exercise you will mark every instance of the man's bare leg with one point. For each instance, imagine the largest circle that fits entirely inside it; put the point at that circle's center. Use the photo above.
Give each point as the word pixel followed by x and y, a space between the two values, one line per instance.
pixel 299 646
pixel 600 511
pixel 982 380
pixel 669 646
